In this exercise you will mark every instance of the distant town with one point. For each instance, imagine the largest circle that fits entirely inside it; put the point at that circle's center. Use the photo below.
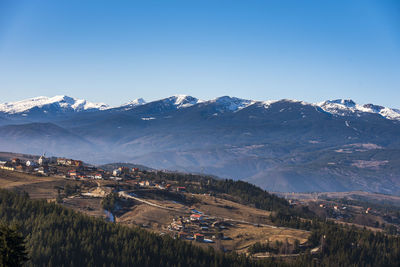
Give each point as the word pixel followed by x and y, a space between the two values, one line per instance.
pixel 62 167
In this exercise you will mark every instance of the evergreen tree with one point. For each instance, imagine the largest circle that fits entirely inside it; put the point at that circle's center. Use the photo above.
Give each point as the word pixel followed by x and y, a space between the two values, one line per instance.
pixel 12 247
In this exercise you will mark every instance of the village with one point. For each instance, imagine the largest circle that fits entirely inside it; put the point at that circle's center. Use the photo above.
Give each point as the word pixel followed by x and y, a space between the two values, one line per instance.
pixel 191 225
pixel 183 219
pixel 199 227
pixel 61 167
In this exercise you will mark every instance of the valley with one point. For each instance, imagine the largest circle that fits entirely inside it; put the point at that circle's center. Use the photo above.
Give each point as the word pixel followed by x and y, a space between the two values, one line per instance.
pixel 283 145
pixel 231 218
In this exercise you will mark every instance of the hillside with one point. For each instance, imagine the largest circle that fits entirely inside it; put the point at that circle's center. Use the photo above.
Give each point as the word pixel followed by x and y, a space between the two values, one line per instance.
pixel 280 145
pixel 37 138
pixel 235 217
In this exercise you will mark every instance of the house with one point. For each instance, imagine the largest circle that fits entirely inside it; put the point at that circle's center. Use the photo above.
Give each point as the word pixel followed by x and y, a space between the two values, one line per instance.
pixel 116 172
pixel 69 162
pixel 199 237
pixel 52 160
pixel 336 207
pixel 43 170
pixel 123 169
pixel 72 173
pixel 62 161
pixel 19 168
pixel 77 163
pixel 30 163
pixel 15 161
pixel 176 226
pixel 135 169
pixel 98 176
pixel 42 160
pixel 368 210
pixel 142 183
pixel 149 183
pixel 196 217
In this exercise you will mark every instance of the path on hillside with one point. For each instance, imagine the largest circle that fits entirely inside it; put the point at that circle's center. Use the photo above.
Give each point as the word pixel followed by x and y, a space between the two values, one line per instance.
pixel 124 194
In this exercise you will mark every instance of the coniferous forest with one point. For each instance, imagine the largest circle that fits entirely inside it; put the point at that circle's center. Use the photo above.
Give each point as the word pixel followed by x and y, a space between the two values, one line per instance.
pixel 57 236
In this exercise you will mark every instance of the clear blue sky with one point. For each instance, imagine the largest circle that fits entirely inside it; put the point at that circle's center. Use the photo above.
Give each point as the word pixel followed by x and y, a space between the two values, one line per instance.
pixel 114 51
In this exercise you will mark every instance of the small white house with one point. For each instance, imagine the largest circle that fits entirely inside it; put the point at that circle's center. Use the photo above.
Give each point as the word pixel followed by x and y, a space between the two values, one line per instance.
pixel 30 163
pixel 116 172
pixel 42 160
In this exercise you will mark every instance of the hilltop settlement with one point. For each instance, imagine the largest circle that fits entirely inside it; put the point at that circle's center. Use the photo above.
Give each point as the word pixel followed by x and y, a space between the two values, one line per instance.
pixel 203 211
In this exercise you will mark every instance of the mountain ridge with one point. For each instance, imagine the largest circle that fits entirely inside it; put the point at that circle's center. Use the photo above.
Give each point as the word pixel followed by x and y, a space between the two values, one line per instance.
pixel 69 104
pixel 280 145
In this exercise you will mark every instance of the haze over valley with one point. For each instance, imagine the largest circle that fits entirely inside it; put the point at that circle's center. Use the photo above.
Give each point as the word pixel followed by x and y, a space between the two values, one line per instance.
pixel 282 145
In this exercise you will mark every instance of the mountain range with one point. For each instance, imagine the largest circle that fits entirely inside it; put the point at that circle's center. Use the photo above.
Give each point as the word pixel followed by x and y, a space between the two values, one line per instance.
pixel 282 145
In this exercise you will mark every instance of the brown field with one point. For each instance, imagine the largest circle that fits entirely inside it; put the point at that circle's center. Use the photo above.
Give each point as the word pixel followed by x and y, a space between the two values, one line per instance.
pixel 244 235
pixel 223 208
pixel 35 186
pixel 248 224
pixel 155 218
pixel 90 206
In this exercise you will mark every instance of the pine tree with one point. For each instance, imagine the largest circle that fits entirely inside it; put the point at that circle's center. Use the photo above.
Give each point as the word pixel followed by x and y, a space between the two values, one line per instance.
pixel 12 247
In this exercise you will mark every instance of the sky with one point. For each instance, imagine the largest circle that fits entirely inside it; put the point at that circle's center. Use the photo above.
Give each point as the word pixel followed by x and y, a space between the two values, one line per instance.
pixel 116 51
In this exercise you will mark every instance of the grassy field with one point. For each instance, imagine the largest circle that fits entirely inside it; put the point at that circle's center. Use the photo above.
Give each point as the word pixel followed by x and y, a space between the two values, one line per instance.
pixel 36 186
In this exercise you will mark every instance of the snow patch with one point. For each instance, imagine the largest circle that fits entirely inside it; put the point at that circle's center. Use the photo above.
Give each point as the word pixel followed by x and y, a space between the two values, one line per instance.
pixel 148 119
pixel 62 102
pixel 233 103
pixel 343 107
pixel 369 164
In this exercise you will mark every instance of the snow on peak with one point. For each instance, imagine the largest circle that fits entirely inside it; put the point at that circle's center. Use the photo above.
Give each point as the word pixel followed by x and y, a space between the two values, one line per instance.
pixel 135 102
pixel 138 101
pixel 61 102
pixel 344 107
pixel 344 102
pixel 182 101
pixel 233 103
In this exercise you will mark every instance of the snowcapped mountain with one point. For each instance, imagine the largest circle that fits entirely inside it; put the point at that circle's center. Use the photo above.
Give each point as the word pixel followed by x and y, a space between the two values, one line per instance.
pixel 59 103
pixel 132 104
pixel 281 145
pixel 181 101
pixel 347 107
pixel 65 104
pixel 232 103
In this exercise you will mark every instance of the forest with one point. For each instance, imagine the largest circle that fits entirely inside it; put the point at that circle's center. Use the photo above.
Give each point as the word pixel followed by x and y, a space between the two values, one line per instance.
pixel 48 234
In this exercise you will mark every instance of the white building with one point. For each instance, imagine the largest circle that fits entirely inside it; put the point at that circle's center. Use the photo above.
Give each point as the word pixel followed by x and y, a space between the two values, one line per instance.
pixel 30 163
pixel 42 160
pixel 116 172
